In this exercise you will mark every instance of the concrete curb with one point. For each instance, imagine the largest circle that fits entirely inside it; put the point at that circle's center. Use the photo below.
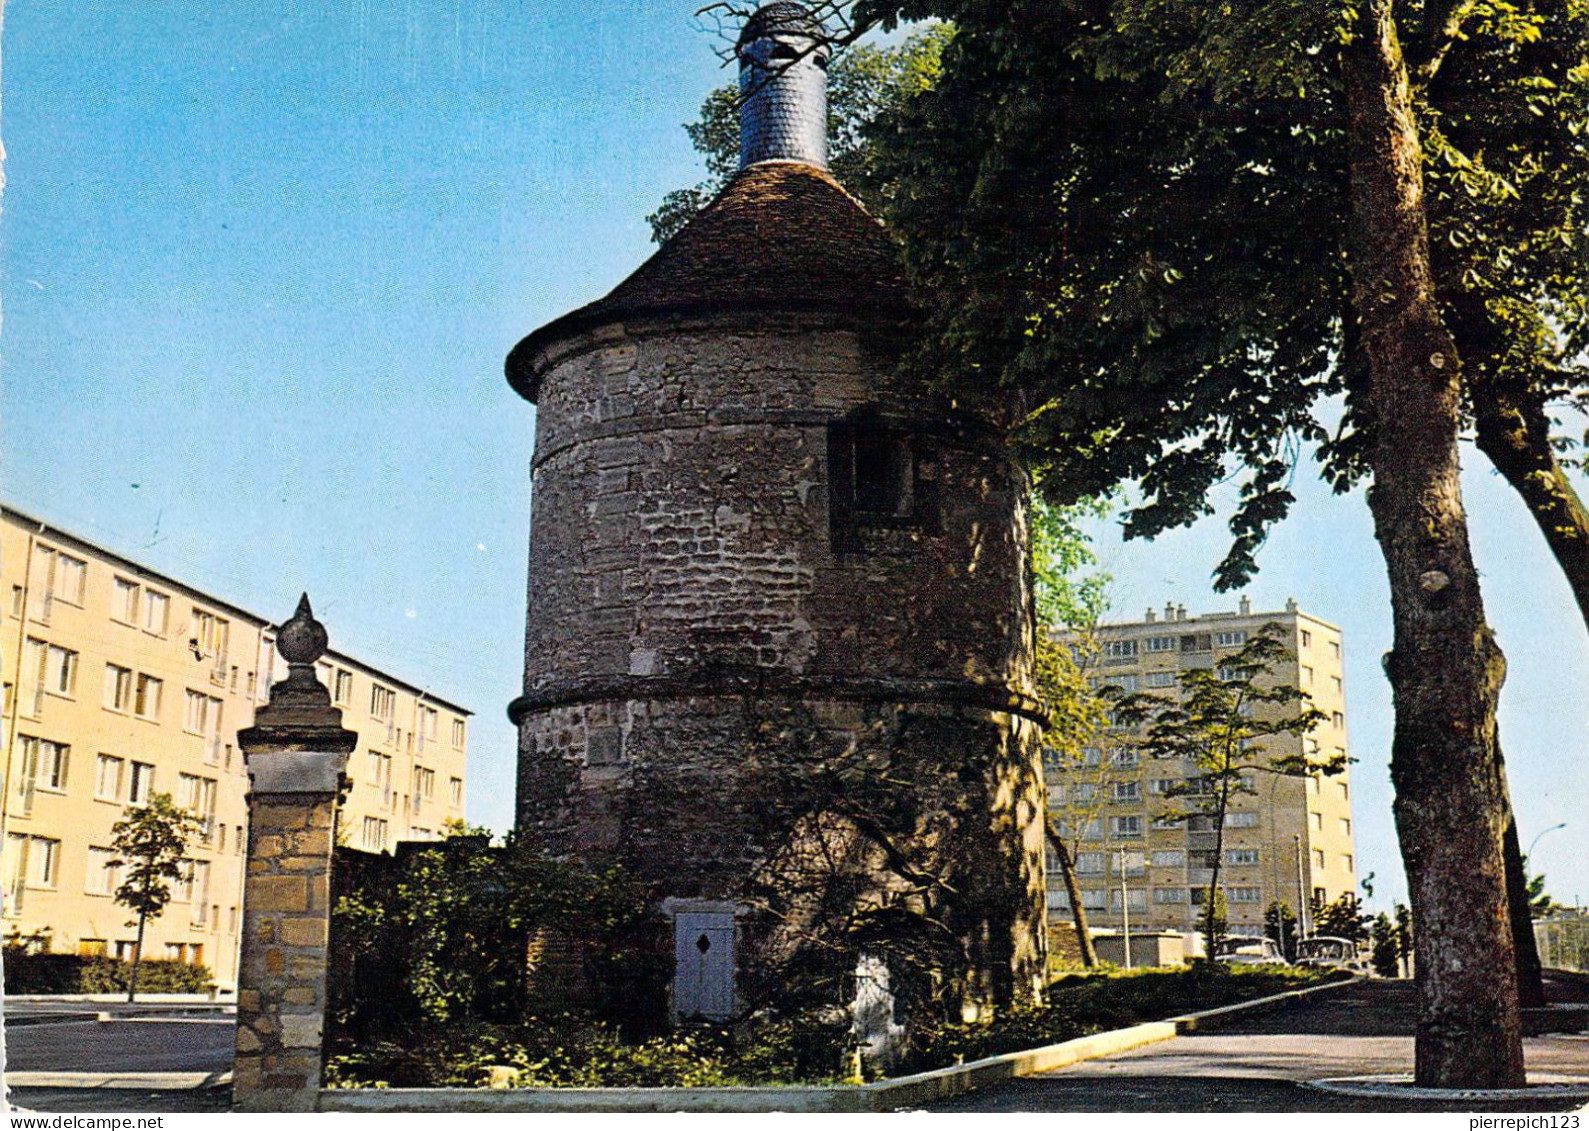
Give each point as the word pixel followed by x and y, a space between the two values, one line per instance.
pixel 141 1081
pixel 886 1095
pixel 225 998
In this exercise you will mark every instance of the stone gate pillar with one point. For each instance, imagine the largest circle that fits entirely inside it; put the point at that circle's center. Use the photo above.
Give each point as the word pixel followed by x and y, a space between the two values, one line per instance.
pixel 296 753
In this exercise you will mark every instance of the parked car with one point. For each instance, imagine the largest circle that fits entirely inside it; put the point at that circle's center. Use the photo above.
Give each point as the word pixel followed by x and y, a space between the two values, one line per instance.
pixel 1249 950
pixel 1326 952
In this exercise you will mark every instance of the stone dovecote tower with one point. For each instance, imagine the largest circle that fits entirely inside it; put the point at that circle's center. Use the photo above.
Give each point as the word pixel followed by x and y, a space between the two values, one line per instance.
pixel 779 646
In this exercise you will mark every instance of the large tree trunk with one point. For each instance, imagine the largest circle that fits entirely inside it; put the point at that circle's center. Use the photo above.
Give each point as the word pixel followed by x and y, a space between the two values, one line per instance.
pixel 1445 669
pixel 1530 973
pixel 1078 913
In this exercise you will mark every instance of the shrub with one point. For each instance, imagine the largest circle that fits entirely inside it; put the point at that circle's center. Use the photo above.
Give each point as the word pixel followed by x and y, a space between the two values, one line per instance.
pixel 27 973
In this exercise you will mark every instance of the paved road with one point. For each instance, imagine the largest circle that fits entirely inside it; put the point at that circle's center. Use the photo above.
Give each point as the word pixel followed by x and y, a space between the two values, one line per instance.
pixel 198 1041
pixel 1259 1064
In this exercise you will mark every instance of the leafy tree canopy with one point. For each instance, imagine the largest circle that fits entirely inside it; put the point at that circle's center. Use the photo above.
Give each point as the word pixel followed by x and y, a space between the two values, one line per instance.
pixel 1130 216
pixel 150 842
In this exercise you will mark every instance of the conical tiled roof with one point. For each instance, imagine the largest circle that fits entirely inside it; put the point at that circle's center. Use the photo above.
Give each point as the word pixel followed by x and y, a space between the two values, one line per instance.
pixel 783 237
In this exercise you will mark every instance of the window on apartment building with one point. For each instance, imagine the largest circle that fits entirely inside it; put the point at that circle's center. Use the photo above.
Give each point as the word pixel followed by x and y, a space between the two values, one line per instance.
pixel 1347 861
pixel 1122 683
pixel 1241 820
pixel 1169 858
pixel 201 892
pixel 1346 826
pixel 1094 900
pixel 1159 679
pixel 429 721
pixel 1337 719
pixel 1316 820
pixel 1091 756
pixel 125 949
pixel 107 777
pixel 91 948
pixel 104 876
pixel 1307 638
pixel 1085 792
pixel 156 612
pixel 18 599
pixel 383 701
pixel 1091 829
pixel 342 686
pixel 118 688
pixel 1341 785
pixel 1126 758
pixel 1200 642
pixel 44 860
pixel 1135 899
pixel 1234 639
pixel 424 784
pixel 374 834
pixel 1160 787
pixel 140 781
pixel 60 671
pixel 1335 685
pixel 1244 894
pixel 458 733
pixel 455 792
pixel 1307 676
pixel 1161 643
pixel 1169 895
pixel 220 838
pixel 70 573
pixel 1229 674
pixel 380 769
pixel 1091 863
pixel 146 696
pixel 203 714
pixel 1241 856
pixel 1119 649
pixel 124 601
pixel 1127 792
pixel 1134 863
pixel 211 635
pixel 1167 821
pixel 52 761
pixel 1318 858
pixel 1126 828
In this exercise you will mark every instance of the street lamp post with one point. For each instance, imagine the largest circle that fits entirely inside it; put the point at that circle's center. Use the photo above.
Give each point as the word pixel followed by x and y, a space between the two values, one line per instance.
pixel 1125 910
pixel 1530 853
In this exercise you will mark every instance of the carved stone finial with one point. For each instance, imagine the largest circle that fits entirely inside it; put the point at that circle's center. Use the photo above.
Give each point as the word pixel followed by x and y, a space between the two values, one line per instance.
pixel 302 640
pixel 300 715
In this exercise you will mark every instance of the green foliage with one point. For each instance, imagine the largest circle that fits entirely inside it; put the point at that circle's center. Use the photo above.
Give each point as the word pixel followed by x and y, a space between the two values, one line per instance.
pixel 1541 905
pixel 1343 919
pixel 1131 217
pixel 1080 1004
pixel 32 973
pixel 575 1052
pixel 1280 924
pixel 864 83
pixel 1385 955
pixel 572 1052
pixel 439 935
pixel 150 842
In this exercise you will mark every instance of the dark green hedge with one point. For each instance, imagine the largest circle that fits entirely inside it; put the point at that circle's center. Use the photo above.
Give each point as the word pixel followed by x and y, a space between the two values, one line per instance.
pixel 27 973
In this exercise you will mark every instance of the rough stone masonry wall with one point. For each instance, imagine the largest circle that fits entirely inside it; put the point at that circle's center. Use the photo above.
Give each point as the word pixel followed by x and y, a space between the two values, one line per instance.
pixel 281 1007
pixel 685 594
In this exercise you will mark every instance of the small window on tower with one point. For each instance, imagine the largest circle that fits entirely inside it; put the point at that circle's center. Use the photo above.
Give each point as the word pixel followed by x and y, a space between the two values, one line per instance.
pixel 880 477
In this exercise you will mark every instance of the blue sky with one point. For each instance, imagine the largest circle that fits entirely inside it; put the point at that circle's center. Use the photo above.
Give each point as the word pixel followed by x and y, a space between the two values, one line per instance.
pixel 261 264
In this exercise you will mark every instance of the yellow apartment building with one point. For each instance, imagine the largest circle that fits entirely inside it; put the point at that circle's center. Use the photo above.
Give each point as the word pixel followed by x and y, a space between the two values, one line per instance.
pixel 121 682
pixel 1289 840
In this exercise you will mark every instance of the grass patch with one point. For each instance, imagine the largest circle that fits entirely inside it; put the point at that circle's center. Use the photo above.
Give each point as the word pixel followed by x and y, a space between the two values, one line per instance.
pixel 574 1052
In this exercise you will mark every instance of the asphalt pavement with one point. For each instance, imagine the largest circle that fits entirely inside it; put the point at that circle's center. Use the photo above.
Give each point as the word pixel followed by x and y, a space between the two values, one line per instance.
pixel 1260 1064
